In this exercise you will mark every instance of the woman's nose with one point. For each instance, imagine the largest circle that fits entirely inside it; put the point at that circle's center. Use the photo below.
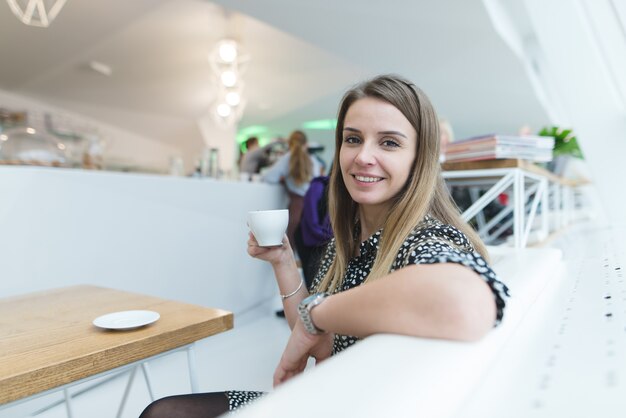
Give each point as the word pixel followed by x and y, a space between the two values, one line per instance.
pixel 365 156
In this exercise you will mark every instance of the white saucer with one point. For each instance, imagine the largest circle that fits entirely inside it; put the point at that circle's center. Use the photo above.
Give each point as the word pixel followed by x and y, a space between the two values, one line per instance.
pixel 126 319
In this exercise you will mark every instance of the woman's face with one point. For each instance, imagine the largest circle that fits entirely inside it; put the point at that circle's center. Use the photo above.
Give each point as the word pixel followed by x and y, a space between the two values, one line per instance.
pixel 377 152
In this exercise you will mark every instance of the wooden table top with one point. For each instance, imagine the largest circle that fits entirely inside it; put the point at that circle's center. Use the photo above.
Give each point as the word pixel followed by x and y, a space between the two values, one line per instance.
pixel 47 339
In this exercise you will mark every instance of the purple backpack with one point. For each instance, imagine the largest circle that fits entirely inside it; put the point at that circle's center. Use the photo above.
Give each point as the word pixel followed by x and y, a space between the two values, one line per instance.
pixel 315 223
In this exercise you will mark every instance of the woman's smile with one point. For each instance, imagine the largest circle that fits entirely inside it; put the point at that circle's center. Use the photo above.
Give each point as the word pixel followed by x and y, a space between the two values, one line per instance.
pixel 367 179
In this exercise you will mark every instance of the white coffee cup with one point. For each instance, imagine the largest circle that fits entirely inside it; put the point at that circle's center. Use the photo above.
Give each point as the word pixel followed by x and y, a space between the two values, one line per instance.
pixel 268 226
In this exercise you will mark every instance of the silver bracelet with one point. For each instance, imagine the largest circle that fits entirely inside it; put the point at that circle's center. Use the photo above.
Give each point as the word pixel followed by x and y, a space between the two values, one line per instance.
pixel 294 292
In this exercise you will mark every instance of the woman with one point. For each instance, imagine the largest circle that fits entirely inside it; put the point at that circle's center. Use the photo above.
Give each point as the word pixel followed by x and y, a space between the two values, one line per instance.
pixel 296 169
pixel 402 261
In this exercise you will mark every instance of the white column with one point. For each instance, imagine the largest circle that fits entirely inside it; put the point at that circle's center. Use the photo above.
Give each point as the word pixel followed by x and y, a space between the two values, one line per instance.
pixel 221 137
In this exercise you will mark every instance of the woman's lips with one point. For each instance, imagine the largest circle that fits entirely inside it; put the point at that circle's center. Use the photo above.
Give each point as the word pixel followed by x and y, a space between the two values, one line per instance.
pixel 367 179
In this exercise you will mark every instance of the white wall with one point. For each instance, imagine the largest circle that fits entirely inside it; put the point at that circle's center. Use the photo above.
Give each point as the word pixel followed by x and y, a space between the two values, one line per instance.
pixel 178 238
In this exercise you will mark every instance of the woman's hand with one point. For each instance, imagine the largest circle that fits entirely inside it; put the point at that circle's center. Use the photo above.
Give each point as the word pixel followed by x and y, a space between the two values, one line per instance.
pixel 275 255
pixel 300 347
pixel 288 278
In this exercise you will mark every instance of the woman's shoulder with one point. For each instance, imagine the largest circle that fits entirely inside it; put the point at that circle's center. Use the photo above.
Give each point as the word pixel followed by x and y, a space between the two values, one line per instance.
pixel 432 229
pixel 432 238
pixel 433 241
pixel 284 158
pixel 277 170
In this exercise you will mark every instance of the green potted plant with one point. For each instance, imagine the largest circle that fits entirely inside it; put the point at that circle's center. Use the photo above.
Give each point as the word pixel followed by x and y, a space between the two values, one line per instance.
pixel 565 147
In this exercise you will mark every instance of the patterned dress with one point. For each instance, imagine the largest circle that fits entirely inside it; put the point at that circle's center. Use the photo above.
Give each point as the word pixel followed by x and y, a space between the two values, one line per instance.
pixel 430 242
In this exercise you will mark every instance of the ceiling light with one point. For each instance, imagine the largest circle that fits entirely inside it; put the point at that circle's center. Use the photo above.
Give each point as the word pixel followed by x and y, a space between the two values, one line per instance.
pixel 227 50
pixel 228 63
pixel 229 78
pixel 34 12
pixel 223 110
pixel 233 98
pixel 321 124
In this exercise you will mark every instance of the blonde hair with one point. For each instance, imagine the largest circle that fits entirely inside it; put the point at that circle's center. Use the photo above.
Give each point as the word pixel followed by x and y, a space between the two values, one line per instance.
pixel 300 166
pixel 424 192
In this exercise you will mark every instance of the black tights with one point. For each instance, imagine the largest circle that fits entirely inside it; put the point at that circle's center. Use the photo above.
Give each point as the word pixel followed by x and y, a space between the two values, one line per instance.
pixel 197 405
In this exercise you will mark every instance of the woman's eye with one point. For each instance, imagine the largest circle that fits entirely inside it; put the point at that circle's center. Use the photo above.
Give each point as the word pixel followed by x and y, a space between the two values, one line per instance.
pixel 351 140
pixel 390 143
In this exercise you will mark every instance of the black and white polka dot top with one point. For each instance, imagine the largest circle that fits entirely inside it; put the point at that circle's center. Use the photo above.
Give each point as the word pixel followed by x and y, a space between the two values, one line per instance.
pixel 430 242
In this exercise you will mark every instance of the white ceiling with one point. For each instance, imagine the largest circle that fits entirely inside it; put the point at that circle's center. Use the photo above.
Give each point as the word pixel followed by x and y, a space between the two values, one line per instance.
pixel 304 55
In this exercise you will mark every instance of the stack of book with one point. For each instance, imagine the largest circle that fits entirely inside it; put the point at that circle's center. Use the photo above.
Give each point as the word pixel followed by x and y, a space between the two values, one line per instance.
pixel 495 146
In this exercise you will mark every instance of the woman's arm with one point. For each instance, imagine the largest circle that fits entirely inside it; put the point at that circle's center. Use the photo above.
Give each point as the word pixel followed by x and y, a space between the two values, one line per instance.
pixel 286 271
pixel 444 300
